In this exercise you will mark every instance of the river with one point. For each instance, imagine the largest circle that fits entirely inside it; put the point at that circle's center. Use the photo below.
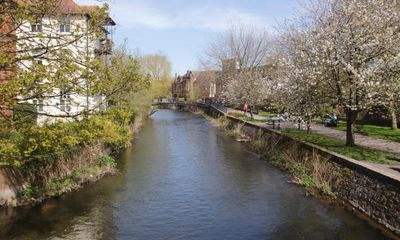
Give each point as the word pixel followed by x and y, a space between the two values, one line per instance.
pixel 184 179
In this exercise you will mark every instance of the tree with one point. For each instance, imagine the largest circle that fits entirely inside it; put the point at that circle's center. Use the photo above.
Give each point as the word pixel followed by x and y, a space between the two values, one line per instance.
pixel 350 39
pixel 125 78
pixel 241 53
pixel 389 72
pixel 301 91
pixel 157 66
pixel 44 51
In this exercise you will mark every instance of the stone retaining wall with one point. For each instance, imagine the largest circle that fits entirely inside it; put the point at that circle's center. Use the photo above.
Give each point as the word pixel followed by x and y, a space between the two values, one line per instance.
pixel 11 182
pixel 375 194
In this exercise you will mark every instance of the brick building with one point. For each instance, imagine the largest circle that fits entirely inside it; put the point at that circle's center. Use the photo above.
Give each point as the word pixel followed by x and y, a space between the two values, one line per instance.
pixel 195 85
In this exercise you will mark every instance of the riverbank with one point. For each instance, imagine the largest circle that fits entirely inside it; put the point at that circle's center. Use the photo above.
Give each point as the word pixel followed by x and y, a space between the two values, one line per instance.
pixel 354 184
pixel 38 181
pixel 188 180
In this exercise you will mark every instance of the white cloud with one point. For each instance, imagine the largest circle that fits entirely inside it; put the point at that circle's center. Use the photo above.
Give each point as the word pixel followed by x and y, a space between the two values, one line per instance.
pixel 136 13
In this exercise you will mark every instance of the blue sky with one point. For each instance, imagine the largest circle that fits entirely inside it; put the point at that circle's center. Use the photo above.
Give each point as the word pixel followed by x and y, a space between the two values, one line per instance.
pixel 181 29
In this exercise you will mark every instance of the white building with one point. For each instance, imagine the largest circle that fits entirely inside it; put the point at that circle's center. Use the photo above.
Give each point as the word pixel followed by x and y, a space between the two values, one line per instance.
pixel 65 30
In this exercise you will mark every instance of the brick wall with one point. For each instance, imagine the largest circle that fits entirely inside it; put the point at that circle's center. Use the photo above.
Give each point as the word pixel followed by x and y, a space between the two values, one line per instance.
pixel 7 47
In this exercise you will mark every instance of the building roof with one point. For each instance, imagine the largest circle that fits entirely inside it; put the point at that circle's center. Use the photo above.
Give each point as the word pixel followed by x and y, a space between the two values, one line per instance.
pixel 204 75
pixel 68 7
pixel 60 6
pixel 88 8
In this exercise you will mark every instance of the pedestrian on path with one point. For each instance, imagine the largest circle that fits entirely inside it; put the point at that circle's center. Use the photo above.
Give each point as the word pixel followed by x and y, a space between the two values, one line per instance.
pixel 245 108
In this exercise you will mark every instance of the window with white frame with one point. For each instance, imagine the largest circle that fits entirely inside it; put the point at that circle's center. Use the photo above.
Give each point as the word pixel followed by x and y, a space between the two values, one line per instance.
pixel 37 26
pixel 65 103
pixel 39 104
pixel 65 25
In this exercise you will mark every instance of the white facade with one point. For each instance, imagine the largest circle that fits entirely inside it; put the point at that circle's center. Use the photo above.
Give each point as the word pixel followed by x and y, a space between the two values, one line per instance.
pixel 60 33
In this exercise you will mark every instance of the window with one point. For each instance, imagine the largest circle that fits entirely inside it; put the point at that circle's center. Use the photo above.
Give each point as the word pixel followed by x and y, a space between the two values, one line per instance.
pixel 65 28
pixel 65 104
pixel 65 25
pixel 37 26
pixel 39 104
pixel 40 62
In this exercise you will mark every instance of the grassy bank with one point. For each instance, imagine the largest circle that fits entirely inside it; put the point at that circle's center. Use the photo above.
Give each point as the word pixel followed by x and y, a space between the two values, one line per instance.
pixel 374 131
pixel 245 117
pixel 74 180
pixel 62 157
pixel 309 170
pixel 338 146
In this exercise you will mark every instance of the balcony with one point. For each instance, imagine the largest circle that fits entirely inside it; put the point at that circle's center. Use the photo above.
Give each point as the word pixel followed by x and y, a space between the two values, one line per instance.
pixel 103 47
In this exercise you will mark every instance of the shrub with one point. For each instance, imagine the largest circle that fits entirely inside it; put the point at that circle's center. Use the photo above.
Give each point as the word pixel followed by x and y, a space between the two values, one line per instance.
pixel 25 114
pixel 49 142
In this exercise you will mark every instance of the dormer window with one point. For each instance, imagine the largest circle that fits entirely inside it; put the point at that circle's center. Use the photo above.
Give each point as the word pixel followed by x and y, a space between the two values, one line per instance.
pixel 65 25
pixel 37 26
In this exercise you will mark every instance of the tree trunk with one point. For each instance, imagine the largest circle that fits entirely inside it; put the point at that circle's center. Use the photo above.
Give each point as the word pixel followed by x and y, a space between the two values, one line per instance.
pixel 309 125
pixel 394 119
pixel 251 113
pixel 351 120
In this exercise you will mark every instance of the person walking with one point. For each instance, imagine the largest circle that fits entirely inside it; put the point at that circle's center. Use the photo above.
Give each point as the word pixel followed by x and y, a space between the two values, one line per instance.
pixel 245 108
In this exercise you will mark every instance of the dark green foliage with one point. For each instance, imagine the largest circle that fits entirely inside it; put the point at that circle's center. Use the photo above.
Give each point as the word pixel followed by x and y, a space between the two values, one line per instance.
pixel 25 114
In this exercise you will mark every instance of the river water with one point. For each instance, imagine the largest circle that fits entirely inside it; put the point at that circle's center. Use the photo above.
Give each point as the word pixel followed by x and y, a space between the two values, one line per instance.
pixel 184 179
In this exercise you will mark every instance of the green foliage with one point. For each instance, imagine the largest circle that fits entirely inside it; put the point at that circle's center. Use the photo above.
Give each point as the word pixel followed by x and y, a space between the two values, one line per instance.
pixel 31 192
pixel 267 114
pixel 107 161
pixel 59 185
pixel 25 114
pixel 157 67
pixel 238 115
pixel 9 151
pixel 161 88
pixel 47 143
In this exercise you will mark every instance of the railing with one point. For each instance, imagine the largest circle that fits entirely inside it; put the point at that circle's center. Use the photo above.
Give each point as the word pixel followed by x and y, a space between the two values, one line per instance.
pixel 216 105
pixel 103 46
pixel 220 107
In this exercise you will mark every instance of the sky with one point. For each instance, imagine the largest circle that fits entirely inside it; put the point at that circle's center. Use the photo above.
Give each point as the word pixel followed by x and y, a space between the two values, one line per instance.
pixel 181 29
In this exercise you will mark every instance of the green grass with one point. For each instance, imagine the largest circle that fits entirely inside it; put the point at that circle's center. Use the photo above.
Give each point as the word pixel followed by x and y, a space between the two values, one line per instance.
pixel 335 145
pixel 373 131
pixel 266 114
pixel 245 117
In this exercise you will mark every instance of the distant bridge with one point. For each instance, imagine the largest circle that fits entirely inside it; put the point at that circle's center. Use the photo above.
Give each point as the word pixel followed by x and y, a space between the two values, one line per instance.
pixel 189 106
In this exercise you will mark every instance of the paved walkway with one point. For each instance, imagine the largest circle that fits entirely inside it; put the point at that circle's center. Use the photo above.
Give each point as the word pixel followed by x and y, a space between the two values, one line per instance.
pixel 361 140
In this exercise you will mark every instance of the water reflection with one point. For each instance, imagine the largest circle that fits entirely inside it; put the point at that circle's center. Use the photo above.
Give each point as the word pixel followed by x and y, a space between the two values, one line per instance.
pixel 183 179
